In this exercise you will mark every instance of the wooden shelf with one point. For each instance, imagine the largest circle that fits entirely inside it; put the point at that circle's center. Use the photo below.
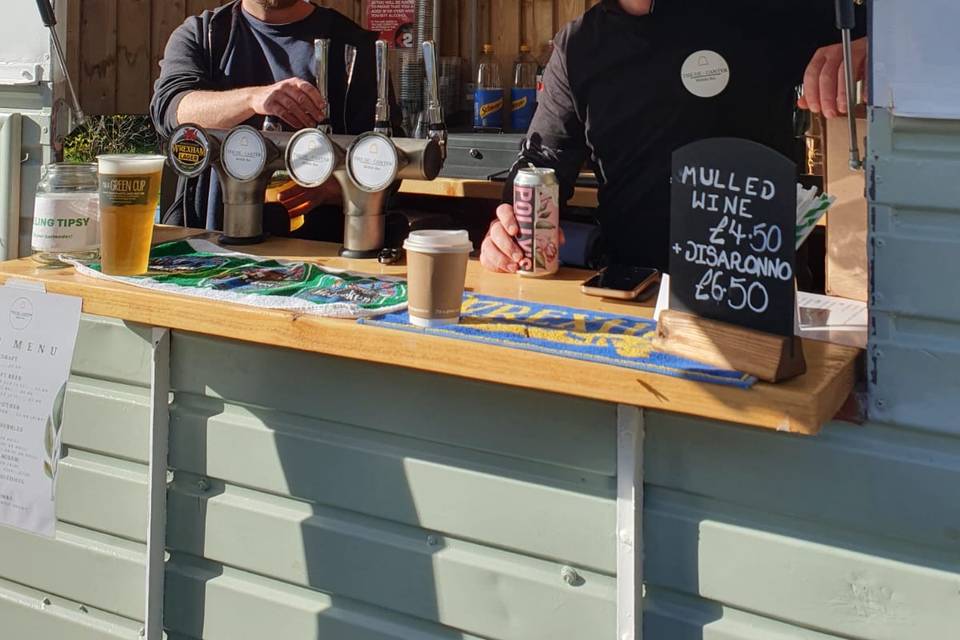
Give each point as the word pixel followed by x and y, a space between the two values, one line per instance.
pixel 801 405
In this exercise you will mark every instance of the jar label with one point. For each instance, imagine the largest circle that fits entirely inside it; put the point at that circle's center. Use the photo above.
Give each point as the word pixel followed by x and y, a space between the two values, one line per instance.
pixel 66 222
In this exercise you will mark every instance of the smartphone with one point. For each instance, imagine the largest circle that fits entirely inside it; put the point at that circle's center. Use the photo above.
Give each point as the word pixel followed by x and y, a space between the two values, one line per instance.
pixel 623 282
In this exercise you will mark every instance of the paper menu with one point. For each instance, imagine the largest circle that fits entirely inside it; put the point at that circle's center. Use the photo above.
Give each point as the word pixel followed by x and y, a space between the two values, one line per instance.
pixel 38 332
pixel 831 319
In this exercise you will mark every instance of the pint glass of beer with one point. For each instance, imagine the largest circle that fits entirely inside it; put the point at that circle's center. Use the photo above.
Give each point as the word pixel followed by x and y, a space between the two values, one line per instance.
pixel 129 192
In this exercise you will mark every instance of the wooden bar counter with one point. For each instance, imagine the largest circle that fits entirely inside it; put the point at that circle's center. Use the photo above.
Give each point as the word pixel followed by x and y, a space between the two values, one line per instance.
pixel 287 476
pixel 801 405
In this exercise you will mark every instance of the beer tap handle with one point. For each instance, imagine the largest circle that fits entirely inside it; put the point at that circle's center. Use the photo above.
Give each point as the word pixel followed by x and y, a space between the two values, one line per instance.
pixel 49 19
pixel 437 126
pixel 846 22
pixel 321 60
pixel 350 60
pixel 382 124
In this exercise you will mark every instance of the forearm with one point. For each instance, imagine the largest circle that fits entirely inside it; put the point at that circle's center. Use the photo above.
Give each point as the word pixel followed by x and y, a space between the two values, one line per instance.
pixel 216 109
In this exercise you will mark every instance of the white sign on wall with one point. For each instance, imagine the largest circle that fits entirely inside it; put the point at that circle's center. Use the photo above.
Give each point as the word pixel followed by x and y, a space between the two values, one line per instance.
pixel 38 332
pixel 24 45
pixel 916 57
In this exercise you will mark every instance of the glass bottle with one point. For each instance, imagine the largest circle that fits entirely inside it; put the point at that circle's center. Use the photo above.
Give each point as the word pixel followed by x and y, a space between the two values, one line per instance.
pixel 488 96
pixel 66 218
pixel 523 93
pixel 545 54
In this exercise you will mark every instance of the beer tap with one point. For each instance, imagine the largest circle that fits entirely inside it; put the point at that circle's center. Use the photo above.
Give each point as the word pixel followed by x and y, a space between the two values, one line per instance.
pixel 248 160
pixel 350 61
pixel 846 22
pixel 374 163
pixel 321 61
pixel 367 166
pixel 437 128
pixel 244 160
pixel 312 156
pixel 382 124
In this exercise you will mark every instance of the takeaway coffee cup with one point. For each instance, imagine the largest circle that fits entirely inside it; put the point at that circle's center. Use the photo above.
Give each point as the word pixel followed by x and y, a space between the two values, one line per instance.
pixel 436 272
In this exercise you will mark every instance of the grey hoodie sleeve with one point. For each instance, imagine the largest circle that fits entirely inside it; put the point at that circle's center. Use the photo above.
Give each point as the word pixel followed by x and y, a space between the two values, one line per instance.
pixel 556 138
pixel 184 68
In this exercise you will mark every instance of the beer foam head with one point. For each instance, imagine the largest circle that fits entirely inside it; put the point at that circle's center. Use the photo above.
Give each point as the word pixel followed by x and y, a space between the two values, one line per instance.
pixel 130 164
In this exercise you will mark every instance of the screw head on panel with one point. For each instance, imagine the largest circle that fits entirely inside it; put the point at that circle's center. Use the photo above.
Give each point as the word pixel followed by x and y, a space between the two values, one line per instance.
pixel 571 577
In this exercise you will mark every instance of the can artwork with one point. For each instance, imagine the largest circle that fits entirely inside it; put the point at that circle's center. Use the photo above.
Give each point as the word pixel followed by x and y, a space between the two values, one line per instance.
pixel 536 203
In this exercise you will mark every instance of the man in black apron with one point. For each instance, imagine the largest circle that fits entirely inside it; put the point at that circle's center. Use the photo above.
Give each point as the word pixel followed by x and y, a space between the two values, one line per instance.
pixel 629 82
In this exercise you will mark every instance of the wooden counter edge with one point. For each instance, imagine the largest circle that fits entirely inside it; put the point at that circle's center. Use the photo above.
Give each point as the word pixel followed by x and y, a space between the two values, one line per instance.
pixel 788 407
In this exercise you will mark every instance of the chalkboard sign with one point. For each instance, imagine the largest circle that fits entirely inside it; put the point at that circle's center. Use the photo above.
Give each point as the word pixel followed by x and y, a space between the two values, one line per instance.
pixel 732 225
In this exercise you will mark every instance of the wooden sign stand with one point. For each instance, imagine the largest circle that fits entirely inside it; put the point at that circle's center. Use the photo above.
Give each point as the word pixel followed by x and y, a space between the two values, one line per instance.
pixel 767 356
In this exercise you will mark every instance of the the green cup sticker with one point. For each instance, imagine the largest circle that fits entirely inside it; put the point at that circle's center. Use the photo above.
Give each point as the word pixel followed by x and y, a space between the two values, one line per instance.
pixel 122 191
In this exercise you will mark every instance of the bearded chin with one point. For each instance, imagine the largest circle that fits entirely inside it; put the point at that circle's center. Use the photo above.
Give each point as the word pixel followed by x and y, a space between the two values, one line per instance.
pixel 277 4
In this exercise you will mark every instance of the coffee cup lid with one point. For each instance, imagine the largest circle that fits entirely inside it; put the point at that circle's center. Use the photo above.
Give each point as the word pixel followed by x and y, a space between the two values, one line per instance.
pixel 439 241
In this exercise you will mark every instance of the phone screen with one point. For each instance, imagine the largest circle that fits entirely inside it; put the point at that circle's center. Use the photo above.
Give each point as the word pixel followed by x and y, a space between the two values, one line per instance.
pixel 622 278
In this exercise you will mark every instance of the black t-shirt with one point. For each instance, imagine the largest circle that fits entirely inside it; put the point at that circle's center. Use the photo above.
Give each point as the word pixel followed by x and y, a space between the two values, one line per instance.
pixel 230 49
pixel 614 89
pixel 267 53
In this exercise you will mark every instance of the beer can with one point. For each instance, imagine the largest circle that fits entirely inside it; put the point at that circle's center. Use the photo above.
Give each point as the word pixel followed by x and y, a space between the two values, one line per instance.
pixel 536 204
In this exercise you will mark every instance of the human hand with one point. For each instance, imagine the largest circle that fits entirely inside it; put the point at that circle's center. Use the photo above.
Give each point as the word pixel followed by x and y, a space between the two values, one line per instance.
pixel 299 200
pixel 824 82
pixel 500 251
pixel 295 101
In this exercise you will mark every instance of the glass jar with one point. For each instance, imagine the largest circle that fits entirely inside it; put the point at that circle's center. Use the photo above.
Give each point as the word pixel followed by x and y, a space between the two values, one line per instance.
pixel 66 218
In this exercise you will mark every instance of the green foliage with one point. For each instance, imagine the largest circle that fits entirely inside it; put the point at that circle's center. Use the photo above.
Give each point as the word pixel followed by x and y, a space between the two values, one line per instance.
pixel 110 134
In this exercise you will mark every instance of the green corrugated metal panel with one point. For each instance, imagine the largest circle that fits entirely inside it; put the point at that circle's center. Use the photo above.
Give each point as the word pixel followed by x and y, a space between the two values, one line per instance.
pixel 107 417
pixel 914 242
pixel 507 421
pixel 405 569
pixel 836 581
pixel 93 568
pixel 113 350
pixel 28 614
pixel 910 159
pixel 103 494
pixel 866 478
pixel 668 615
pixel 208 600
pixel 539 509
pixel 101 501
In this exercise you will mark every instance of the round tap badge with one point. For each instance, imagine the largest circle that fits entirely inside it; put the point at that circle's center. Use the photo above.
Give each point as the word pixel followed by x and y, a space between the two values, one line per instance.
pixel 373 162
pixel 310 158
pixel 244 153
pixel 705 74
pixel 189 150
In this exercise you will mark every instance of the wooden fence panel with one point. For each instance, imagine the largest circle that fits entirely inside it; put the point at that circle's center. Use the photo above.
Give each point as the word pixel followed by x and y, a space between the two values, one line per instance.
pixel 98 58
pixel 133 56
pixel 505 33
pixel 567 10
